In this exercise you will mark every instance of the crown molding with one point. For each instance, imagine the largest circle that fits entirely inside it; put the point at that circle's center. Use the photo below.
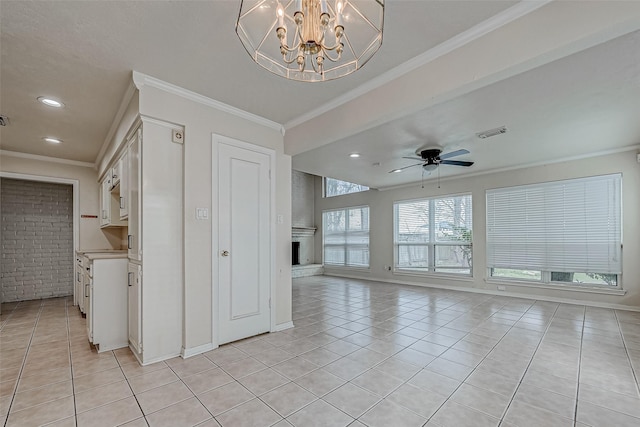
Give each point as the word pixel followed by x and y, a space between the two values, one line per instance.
pixel 521 166
pixel 47 159
pixel 140 80
pixel 503 18
pixel 126 99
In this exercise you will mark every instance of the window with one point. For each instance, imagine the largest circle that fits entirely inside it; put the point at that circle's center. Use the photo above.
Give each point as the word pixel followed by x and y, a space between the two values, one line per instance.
pixel 346 237
pixel 433 235
pixel 335 187
pixel 557 232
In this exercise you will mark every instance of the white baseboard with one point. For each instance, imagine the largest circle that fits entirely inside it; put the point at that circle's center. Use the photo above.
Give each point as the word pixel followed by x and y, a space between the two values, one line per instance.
pixel 494 292
pixel 194 351
pixel 282 327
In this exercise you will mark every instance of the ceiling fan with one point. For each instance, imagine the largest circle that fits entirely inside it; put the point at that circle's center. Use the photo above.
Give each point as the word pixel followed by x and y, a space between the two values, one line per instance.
pixel 430 158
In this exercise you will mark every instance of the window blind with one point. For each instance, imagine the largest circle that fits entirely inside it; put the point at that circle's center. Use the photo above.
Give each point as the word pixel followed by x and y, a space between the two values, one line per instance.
pixel 564 226
pixel 346 236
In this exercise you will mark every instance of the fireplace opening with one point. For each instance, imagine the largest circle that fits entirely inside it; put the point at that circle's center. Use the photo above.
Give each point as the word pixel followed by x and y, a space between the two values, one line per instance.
pixel 295 253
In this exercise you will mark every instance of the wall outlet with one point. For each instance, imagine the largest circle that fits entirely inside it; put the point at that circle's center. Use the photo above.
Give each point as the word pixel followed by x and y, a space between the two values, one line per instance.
pixel 387 268
pixel 501 287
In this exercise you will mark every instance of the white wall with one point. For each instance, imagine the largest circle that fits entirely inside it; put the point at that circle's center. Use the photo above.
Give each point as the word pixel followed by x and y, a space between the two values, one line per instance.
pixel 200 122
pixel 381 226
pixel 302 199
pixel 90 234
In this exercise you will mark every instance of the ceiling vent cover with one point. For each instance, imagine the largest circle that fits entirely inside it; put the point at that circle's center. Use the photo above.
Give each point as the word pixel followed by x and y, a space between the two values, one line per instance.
pixel 492 132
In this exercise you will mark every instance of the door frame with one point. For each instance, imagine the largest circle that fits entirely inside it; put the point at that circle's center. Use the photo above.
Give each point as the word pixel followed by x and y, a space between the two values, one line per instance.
pixel 217 140
pixel 76 209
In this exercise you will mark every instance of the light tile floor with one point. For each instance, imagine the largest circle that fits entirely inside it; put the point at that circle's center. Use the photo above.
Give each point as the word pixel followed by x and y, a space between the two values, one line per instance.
pixel 361 354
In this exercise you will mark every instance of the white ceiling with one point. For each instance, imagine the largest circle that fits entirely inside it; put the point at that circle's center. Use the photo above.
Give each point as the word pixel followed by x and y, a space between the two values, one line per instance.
pixel 84 52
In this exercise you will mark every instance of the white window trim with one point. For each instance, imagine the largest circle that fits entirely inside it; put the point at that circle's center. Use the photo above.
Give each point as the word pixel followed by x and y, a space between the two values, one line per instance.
pixel 435 274
pixel 558 286
pixel 346 266
pixel 545 281
pixel 324 188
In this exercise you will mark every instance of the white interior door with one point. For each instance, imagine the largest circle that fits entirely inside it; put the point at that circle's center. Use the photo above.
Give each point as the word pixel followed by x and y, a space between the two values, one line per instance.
pixel 244 242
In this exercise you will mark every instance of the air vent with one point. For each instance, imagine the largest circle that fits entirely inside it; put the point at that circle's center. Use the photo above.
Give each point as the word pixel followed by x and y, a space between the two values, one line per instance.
pixel 492 132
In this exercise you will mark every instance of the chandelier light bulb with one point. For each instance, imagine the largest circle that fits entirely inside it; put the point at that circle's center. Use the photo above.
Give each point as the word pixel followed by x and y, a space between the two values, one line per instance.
pixel 320 47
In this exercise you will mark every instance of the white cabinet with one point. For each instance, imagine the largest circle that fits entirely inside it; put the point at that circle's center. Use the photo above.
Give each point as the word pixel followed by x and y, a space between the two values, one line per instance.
pixel 116 172
pixel 123 168
pixel 155 246
pixel 135 320
pixel 133 197
pixel 105 202
pixel 78 289
pixel 110 204
pixel 107 300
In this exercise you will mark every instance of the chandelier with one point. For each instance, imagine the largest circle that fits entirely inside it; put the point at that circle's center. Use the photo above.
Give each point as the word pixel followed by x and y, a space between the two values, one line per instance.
pixel 311 40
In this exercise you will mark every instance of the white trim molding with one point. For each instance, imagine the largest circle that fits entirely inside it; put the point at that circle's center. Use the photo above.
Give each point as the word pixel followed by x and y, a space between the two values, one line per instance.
pixel 76 201
pixel 503 18
pixel 494 292
pixel 124 103
pixel 194 351
pixel 140 80
pixel 282 326
pixel 47 159
pixel 518 167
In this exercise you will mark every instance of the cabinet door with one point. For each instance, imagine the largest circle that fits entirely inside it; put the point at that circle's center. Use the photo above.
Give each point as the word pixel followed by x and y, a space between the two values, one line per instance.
pixel 79 290
pixel 105 202
pixel 123 167
pixel 116 172
pixel 88 308
pixel 135 312
pixel 134 199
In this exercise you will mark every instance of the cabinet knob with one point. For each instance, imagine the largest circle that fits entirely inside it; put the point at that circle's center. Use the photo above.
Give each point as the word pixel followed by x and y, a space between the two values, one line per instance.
pixel 225 253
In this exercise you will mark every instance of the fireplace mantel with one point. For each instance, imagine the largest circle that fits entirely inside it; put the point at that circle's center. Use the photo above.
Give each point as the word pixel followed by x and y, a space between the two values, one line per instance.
pixel 302 231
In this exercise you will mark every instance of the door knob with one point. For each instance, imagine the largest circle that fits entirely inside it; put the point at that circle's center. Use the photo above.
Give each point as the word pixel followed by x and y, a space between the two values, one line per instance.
pixel 225 253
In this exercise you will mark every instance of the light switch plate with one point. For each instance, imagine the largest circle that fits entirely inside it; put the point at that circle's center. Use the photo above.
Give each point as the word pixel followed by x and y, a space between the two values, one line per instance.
pixel 202 213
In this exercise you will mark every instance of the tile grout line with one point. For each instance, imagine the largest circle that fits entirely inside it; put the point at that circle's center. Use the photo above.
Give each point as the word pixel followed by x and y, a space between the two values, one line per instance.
pixel 626 350
pixel 73 385
pixel 575 412
pixel 530 361
pixel 24 360
pixel 484 357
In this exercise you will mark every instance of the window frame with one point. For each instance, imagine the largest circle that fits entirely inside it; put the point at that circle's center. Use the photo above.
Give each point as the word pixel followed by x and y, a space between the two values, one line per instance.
pixel 545 280
pixel 432 269
pixel 324 187
pixel 346 245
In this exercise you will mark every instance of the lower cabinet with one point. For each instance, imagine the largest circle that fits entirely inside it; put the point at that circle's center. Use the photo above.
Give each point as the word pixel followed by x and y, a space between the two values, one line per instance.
pixel 107 302
pixel 134 281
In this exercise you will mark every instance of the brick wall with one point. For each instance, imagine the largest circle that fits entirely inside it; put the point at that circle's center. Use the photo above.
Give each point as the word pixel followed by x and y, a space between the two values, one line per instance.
pixel 36 240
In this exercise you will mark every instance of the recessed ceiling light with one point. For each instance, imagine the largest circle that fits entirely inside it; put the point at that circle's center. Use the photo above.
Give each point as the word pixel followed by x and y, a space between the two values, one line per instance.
pixel 354 155
pixel 52 140
pixel 396 170
pixel 50 102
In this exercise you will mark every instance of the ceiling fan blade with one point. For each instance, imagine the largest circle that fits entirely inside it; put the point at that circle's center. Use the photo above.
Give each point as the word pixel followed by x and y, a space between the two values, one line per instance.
pixel 456 163
pixel 453 154
pixel 414 158
pixel 406 167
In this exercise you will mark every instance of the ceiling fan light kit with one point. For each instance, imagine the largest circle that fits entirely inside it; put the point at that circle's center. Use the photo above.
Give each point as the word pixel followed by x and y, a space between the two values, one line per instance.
pixel 431 158
pixel 311 40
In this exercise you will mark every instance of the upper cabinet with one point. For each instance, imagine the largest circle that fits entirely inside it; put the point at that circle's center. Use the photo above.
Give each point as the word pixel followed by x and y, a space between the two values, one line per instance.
pixel 110 204
pixel 123 168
